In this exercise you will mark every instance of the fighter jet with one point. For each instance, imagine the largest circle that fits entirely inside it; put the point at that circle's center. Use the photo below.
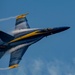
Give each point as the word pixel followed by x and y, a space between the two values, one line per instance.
pixel 23 37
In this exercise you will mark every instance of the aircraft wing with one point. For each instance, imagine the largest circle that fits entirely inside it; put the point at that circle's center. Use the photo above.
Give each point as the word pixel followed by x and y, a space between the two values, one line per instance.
pixel 21 22
pixel 16 57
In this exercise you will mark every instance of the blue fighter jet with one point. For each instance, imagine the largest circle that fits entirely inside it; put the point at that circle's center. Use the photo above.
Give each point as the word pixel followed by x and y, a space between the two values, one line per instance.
pixel 24 36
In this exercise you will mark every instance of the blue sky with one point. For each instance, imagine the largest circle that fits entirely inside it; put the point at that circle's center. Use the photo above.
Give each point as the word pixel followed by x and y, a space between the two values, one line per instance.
pixel 54 55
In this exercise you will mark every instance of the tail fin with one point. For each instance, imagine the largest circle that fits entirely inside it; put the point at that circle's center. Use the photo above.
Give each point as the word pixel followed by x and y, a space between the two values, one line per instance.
pixel 5 37
pixel 21 22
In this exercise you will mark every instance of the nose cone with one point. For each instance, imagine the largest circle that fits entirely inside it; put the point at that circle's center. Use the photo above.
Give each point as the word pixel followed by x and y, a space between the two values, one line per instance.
pixel 59 29
pixel 65 28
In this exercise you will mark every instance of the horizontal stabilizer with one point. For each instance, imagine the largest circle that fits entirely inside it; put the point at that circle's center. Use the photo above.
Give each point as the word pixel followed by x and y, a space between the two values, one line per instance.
pixel 5 37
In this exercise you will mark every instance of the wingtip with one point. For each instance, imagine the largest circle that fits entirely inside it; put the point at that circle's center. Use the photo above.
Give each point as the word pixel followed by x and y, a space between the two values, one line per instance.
pixel 13 66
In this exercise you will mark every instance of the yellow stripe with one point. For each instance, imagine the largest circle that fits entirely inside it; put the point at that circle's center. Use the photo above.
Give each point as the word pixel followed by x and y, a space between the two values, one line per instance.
pixel 25 36
pixel 21 16
pixel 13 66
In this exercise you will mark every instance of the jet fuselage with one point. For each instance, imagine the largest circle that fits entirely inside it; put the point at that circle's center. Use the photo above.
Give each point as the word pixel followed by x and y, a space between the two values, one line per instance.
pixel 32 36
pixel 23 37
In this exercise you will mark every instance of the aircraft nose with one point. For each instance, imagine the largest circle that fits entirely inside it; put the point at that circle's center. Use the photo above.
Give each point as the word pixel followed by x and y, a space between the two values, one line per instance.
pixel 59 29
pixel 65 28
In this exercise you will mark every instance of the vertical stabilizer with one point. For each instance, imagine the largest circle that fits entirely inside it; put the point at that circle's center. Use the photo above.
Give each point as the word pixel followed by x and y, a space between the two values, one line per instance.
pixel 21 22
